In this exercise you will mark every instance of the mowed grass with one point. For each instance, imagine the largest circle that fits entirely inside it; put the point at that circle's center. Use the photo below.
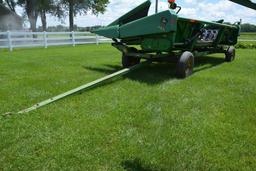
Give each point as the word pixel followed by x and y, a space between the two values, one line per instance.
pixel 248 36
pixel 146 120
pixel 247 40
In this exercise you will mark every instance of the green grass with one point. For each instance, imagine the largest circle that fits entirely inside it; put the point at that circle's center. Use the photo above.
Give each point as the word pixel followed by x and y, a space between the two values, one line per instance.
pixel 147 120
pixel 248 36
pixel 242 43
pixel 246 45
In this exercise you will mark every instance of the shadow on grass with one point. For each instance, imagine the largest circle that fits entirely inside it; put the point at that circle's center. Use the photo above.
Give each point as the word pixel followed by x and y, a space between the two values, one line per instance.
pixel 137 165
pixel 157 73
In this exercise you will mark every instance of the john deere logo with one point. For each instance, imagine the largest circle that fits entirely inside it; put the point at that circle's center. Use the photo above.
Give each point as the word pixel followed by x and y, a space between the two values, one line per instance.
pixel 164 22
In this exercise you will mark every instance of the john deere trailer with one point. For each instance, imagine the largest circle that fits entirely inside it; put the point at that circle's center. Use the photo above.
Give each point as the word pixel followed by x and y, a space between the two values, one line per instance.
pixel 166 36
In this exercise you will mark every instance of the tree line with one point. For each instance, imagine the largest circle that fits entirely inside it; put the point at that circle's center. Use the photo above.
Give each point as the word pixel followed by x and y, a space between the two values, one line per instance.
pixel 62 28
pixel 248 27
pixel 33 9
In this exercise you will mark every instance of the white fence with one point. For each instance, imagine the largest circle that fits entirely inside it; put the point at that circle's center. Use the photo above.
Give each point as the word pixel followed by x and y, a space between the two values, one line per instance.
pixel 12 40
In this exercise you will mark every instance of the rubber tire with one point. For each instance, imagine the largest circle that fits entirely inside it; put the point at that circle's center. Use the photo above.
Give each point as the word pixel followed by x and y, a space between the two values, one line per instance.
pixel 128 61
pixel 185 65
pixel 230 54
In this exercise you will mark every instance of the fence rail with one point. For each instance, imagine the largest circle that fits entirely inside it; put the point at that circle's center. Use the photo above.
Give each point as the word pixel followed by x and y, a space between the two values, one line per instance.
pixel 12 40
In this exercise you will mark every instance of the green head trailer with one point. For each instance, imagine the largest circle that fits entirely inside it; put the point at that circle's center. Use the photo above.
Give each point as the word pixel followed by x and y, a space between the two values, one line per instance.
pixel 166 36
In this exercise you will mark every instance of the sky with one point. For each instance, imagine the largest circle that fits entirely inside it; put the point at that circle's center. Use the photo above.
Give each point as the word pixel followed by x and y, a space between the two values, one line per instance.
pixel 197 9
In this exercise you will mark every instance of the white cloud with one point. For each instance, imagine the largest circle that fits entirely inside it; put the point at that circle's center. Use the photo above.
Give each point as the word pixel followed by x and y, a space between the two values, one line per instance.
pixel 222 9
pixel 199 9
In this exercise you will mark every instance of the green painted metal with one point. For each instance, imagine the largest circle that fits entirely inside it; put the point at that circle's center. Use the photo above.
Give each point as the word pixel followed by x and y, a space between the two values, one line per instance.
pixel 79 89
pixel 155 24
pixel 113 29
pixel 110 31
pixel 138 12
pixel 186 29
pixel 246 3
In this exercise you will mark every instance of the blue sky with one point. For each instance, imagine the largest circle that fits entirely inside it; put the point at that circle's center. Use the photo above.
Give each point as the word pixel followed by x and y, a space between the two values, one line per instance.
pixel 197 9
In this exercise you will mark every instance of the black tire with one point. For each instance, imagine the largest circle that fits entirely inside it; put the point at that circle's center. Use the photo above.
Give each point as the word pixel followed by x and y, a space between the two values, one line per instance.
pixel 129 61
pixel 230 54
pixel 185 65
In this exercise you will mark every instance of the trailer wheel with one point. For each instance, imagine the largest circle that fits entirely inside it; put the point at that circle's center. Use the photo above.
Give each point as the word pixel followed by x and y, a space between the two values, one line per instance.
pixel 230 54
pixel 128 61
pixel 185 65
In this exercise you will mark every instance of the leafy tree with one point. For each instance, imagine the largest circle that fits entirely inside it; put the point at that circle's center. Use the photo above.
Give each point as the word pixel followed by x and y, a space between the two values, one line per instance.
pixel 75 7
pixel 11 4
pixel 32 12
pixel 248 27
pixel 36 8
pixel 49 6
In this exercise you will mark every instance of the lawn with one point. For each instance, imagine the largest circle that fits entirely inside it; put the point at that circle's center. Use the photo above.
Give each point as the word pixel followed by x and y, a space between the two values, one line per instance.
pixel 247 40
pixel 248 36
pixel 146 120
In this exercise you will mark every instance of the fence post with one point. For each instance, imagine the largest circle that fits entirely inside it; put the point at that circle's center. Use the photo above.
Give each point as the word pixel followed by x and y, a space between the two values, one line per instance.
pixel 9 36
pixel 73 38
pixel 45 40
pixel 97 39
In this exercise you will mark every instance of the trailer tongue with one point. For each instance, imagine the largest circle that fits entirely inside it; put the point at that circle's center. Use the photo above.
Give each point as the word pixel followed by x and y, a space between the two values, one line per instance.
pixel 78 89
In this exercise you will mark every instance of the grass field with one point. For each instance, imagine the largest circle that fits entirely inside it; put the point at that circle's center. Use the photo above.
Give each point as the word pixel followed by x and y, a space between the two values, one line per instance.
pixel 248 36
pixel 147 120
pixel 251 43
